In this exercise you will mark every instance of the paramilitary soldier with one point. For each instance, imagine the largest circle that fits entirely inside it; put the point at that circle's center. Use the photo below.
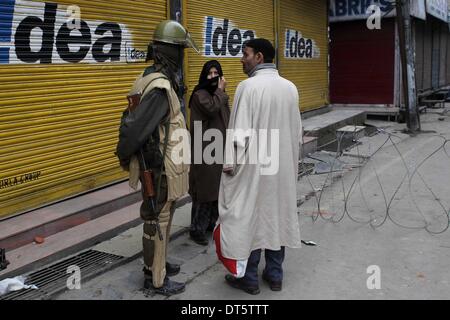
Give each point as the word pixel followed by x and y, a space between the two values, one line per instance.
pixel 145 149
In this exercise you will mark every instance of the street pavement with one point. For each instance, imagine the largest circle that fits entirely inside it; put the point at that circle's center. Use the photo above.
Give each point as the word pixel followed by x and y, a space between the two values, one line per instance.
pixel 380 226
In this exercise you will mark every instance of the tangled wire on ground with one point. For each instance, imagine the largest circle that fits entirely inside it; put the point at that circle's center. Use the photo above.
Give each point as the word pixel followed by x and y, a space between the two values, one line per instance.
pixel 409 177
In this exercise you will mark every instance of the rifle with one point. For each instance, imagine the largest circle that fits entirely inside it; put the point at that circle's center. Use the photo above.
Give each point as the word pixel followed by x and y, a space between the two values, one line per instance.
pixel 149 191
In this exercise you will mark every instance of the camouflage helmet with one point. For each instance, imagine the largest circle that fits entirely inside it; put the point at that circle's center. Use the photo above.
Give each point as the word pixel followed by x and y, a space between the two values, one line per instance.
pixel 170 31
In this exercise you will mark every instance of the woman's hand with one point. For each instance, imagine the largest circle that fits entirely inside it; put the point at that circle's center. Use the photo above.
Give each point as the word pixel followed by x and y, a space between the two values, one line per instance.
pixel 222 83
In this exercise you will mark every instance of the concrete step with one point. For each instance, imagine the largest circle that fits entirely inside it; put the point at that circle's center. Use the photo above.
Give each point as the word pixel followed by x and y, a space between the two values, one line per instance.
pixel 69 226
pixel 58 245
pixel 374 110
pixel 353 132
pixel 324 126
pixel 99 232
pixel 21 230
pixel 309 146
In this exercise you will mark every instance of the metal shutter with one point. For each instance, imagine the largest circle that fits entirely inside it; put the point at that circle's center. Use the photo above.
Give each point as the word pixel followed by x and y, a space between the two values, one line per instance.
pixel 59 114
pixel 309 19
pixel 362 63
pixel 259 18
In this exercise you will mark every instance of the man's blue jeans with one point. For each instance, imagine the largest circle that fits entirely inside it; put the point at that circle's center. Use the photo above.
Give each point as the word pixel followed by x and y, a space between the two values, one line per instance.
pixel 273 269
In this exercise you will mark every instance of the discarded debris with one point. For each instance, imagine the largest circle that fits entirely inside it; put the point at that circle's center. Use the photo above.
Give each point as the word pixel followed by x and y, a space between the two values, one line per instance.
pixel 322 213
pixel 39 240
pixel 309 243
pixel 325 162
pixel 3 262
pixel 14 284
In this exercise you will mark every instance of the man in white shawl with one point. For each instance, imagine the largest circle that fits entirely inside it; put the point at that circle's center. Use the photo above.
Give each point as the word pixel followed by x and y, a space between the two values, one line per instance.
pixel 258 198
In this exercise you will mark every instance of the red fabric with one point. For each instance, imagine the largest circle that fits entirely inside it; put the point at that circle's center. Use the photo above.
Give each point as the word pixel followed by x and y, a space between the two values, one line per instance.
pixel 233 266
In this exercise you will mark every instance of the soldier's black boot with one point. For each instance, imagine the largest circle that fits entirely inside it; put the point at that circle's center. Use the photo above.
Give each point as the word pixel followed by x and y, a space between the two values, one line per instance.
pixel 168 289
pixel 172 269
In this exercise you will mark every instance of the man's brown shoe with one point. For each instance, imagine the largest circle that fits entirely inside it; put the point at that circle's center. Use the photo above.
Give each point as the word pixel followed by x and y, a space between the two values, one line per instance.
pixel 274 285
pixel 239 284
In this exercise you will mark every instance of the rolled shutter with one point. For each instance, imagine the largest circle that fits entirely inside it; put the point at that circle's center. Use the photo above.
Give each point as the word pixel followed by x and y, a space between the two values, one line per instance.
pixel 60 108
pixel 203 18
pixel 303 49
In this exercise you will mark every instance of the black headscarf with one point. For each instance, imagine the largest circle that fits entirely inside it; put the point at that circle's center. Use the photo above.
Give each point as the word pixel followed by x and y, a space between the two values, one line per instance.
pixel 209 84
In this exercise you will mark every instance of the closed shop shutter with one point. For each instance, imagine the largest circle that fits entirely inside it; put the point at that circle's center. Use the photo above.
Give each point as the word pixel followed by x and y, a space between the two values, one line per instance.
pixel 219 27
pixel 443 80
pixel 435 65
pixel 447 57
pixel 303 49
pixel 419 36
pixel 432 54
pixel 362 63
pixel 64 85
pixel 427 56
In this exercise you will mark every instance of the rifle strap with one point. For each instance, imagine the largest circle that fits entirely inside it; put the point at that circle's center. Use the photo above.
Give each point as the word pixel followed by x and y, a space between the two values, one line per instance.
pixel 166 142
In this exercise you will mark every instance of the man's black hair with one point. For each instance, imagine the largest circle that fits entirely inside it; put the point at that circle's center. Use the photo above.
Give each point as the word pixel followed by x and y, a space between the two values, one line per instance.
pixel 264 46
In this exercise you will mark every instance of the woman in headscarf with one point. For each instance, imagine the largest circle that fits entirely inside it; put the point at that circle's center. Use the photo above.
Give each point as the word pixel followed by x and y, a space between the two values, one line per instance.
pixel 210 109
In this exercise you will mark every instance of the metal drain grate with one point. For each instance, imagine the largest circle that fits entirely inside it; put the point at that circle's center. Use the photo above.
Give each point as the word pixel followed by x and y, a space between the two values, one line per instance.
pixel 53 279
pixel 305 168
